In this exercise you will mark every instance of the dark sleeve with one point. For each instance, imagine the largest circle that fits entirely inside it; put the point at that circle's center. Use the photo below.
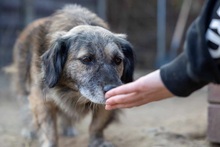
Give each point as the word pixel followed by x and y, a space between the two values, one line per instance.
pixel 195 67
pixel 176 78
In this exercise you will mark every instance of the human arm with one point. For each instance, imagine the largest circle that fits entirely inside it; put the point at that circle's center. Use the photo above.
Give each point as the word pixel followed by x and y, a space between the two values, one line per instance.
pixel 193 69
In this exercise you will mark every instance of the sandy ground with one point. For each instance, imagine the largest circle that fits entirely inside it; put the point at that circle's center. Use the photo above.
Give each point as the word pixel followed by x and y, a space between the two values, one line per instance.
pixel 176 122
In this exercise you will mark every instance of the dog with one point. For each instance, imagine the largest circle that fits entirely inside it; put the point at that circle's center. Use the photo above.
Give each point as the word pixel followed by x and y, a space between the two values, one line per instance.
pixel 66 63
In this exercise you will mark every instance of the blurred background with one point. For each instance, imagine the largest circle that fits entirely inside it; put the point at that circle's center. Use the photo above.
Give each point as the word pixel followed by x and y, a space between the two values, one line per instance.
pixel 156 29
pixel 150 25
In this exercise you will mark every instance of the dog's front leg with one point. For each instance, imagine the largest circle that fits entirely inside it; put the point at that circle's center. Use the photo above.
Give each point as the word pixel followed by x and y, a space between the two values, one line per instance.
pixel 100 120
pixel 67 125
pixel 48 127
pixel 44 114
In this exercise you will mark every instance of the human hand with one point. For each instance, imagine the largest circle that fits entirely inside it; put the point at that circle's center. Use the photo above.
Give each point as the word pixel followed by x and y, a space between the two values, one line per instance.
pixel 146 89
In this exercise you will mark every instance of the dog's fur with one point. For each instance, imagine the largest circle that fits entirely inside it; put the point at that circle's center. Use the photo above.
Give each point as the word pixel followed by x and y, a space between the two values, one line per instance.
pixel 67 62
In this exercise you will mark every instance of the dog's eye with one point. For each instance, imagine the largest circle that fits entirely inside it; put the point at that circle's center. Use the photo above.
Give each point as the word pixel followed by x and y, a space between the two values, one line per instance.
pixel 117 60
pixel 86 59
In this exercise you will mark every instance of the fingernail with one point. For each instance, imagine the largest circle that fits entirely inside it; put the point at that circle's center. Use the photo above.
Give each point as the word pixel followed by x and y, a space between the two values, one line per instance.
pixel 107 102
pixel 107 107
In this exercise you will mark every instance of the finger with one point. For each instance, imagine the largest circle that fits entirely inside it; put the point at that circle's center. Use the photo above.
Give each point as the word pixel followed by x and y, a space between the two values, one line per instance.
pixel 123 89
pixel 120 99
pixel 127 105
pixel 110 107
pixel 129 101
pixel 117 106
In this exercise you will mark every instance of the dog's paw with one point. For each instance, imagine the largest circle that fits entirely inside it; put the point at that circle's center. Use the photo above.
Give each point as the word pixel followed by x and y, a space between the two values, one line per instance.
pixel 100 143
pixel 28 134
pixel 48 144
pixel 69 132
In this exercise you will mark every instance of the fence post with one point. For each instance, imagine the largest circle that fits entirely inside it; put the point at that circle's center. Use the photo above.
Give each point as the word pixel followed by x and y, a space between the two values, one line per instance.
pixel 161 33
pixel 28 11
pixel 102 9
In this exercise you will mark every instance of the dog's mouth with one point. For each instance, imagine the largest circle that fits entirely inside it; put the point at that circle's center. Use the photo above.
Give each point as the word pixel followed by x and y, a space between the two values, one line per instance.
pixel 96 101
pixel 96 96
pixel 99 101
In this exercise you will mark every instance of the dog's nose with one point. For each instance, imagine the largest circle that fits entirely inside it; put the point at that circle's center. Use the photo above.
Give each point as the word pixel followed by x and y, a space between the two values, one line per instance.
pixel 109 87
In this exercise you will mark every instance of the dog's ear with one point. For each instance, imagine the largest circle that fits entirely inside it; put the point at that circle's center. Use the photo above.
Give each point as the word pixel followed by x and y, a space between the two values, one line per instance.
pixel 127 50
pixel 54 59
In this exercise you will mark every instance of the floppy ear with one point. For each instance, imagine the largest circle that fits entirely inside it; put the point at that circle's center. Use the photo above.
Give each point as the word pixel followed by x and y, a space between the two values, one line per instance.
pixel 53 61
pixel 127 50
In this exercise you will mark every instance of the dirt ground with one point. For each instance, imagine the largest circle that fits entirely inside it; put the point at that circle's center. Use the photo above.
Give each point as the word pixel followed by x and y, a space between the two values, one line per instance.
pixel 176 122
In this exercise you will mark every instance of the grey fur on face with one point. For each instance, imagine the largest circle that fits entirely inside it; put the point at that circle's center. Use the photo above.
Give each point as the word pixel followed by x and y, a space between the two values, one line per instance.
pixel 99 46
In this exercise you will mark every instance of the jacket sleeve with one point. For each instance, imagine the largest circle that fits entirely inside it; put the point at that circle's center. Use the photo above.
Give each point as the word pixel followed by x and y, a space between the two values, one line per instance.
pixel 195 67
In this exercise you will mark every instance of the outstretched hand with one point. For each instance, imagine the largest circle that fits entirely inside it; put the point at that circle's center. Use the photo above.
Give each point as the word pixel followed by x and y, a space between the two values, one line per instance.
pixel 146 89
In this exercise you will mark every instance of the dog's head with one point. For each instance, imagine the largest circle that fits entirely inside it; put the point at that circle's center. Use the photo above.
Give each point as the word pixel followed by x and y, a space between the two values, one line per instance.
pixel 93 58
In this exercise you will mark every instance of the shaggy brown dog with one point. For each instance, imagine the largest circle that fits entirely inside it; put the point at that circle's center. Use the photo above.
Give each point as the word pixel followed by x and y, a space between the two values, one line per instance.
pixel 66 63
